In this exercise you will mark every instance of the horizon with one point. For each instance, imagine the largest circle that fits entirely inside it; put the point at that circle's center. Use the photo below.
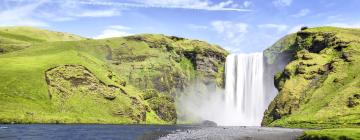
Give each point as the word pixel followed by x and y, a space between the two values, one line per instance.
pixel 242 26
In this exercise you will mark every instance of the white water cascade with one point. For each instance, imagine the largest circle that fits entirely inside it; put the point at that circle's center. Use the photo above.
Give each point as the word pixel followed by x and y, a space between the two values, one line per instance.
pixel 244 90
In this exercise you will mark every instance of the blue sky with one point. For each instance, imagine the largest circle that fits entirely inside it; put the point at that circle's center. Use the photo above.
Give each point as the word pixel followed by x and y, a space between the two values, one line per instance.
pixel 240 26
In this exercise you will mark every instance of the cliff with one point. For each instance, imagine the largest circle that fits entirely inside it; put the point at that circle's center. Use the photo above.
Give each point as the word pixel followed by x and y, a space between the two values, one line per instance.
pixel 318 81
pixel 54 77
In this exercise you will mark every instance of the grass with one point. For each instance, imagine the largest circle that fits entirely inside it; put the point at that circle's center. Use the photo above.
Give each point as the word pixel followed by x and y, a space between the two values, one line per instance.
pixel 132 66
pixel 332 134
pixel 316 86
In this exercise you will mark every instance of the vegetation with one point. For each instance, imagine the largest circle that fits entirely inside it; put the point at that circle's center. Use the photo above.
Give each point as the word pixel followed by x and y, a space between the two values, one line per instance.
pixel 332 134
pixel 319 87
pixel 52 77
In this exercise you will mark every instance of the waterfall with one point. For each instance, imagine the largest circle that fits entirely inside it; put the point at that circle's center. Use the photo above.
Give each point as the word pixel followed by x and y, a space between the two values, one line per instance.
pixel 244 90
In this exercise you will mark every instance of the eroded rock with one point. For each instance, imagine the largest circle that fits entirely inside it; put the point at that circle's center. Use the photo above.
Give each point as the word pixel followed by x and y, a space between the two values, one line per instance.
pixel 66 80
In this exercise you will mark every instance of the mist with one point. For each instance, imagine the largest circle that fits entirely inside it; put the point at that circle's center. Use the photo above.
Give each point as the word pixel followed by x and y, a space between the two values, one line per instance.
pixel 200 102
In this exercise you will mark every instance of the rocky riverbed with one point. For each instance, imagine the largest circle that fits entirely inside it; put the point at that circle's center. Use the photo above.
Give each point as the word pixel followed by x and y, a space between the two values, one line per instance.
pixel 235 133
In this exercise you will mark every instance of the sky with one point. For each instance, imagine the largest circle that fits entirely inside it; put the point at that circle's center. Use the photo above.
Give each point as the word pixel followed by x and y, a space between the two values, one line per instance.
pixel 240 26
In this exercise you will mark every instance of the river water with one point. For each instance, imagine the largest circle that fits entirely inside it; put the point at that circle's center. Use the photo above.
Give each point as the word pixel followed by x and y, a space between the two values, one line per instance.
pixel 142 132
pixel 87 131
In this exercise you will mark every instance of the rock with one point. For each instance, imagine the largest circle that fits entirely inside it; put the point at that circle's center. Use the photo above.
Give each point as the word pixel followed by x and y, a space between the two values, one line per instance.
pixel 351 102
pixel 164 107
pixel 150 93
pixel 66 80
pixel 346 57
pixel 304 28
pixel 208 123
pixel 357 96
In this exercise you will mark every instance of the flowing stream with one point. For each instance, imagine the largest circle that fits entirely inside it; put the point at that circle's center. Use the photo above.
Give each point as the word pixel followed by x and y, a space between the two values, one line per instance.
pixel 244 90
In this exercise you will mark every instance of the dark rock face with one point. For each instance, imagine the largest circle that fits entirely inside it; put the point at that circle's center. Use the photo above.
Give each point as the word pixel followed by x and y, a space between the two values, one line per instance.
pixel 207 62
pixel 209 65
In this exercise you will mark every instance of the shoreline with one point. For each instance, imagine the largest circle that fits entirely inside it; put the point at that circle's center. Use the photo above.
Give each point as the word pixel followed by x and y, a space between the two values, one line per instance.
pixel 237 133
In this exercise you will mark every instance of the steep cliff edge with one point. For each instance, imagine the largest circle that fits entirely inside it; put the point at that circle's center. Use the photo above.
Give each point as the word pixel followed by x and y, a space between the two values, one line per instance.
pixel 320 84
pixel 54 77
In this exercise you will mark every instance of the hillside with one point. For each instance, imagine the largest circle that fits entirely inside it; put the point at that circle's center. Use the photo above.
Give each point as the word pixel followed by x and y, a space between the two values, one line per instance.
pixel 319 86
pixel 53 77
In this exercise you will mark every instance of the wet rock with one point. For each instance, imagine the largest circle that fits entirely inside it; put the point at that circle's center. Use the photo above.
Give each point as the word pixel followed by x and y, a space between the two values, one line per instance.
pixel 208 123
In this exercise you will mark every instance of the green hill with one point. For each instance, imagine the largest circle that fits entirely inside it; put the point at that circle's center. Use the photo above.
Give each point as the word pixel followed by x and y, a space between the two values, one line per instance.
pixel 53 77
pixel 320 84
pixel 20 37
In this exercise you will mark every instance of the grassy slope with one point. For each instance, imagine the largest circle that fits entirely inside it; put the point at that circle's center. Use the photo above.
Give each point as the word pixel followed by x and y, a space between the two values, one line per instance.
pixel 24 95
pixel 20 37
pixel 318 89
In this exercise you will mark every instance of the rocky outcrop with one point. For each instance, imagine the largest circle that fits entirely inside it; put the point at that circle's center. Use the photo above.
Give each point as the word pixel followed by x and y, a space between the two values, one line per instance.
pixel 317 80
pixel 68 82
pixel 63 81
pixel 185 59
pixel 164 107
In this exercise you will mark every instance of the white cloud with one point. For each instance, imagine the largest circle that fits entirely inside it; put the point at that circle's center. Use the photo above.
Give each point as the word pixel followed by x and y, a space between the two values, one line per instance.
pixel 119 27
pixel 98 13
pixel 197 27
pixel 39 12
pixel 231 32
pixel 278 27
pixel 247 4
pixel 295 29
pixel 21 16
pixel 114 31
pixel 282 3
pixel 228 5
pixel 302 13
pixel 108 33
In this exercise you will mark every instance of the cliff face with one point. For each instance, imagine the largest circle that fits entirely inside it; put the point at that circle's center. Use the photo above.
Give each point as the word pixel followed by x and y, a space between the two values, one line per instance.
pixel 320 84
pixel 53 77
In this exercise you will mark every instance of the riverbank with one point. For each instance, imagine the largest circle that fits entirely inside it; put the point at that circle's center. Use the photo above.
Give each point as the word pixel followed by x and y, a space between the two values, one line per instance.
pixel 236 133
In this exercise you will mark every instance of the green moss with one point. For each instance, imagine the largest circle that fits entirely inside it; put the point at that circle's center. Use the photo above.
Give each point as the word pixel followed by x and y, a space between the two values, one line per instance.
pixel 91 81
pixel 316 86
pixel 332 134
pixel 164 107
pixel 150 93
